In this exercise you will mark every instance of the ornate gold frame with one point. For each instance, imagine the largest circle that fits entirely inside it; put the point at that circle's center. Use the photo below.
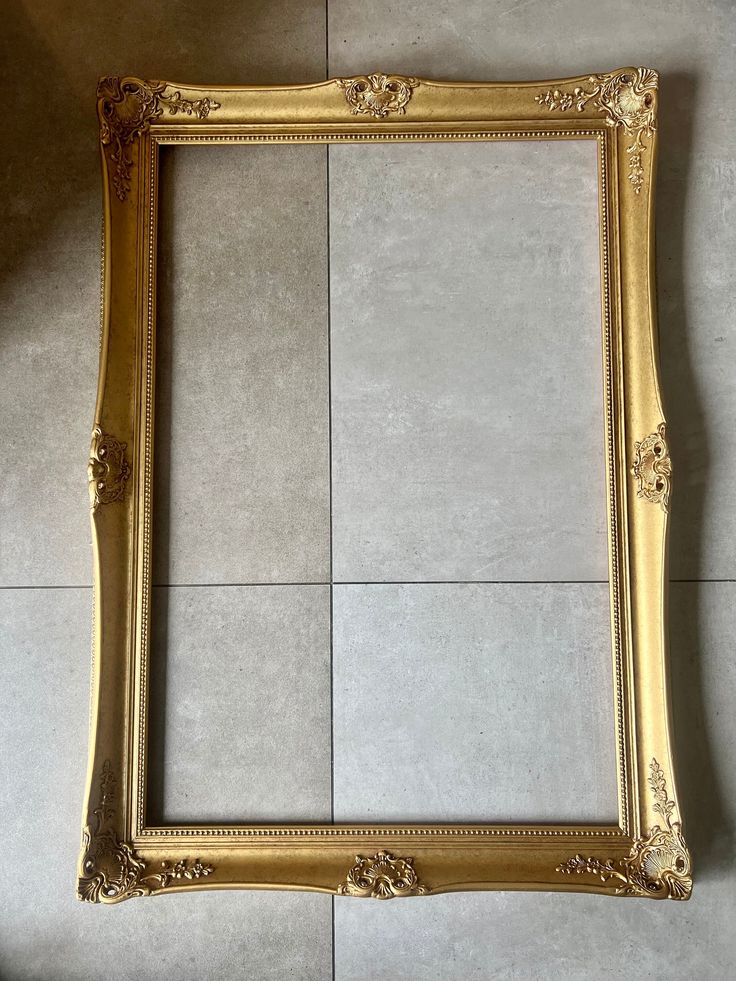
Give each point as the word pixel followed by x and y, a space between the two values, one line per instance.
pixel 644 854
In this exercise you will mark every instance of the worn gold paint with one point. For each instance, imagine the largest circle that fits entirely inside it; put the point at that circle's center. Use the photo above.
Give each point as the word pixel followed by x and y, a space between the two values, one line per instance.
pixel 122 855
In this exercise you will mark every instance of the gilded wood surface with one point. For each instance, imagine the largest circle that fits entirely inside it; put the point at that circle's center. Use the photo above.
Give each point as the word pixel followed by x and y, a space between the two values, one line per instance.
pixel 382 877
pixel 110 871
pixel 121 855
pixel 658 866
pixel 652 468
pixel 108 469
pixel 126 107
pixel 378 95
pixel 627 98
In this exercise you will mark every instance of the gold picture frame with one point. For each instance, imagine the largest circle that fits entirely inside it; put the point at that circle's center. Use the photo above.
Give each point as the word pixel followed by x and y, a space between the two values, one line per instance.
pixel 644 854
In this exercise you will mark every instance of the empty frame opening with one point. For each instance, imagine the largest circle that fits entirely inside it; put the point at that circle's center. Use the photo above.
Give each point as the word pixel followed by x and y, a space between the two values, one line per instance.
pixel 380 542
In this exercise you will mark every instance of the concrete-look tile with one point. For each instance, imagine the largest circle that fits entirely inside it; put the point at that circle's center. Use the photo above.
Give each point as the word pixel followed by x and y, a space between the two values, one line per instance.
pixel 467 401
pixel 241 691
pixel 48 368
pixel 545 937
pixel 702 628
pixel 473 702
pixel 696 191
pixel 46 932
pixel 50 254
pixel 535 937
pixel 242 459
pixel 491 39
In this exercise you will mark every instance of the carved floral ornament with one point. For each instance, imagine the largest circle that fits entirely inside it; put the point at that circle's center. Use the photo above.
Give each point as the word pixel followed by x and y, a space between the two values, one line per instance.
pixel 109 869
pixel 126 107
pixel 377 95
pixel 658 866
pixel 382 877
pixel 628 99
pixel 108 469
pixel 652 468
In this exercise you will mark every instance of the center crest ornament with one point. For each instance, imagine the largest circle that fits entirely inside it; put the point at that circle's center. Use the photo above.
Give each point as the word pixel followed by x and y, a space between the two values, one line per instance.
pixel 377 95
pixel 382 877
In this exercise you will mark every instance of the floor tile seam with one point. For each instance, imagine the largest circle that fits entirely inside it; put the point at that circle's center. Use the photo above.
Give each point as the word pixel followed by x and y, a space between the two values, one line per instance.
pixel 377 582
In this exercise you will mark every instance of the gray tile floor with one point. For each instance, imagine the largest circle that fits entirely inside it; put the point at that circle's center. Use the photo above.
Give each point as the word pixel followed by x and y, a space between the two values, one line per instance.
pixel 258 408
pixel 45 933
pixel 437 479
pixel 50 195
pixel 242 704
pixel 483 719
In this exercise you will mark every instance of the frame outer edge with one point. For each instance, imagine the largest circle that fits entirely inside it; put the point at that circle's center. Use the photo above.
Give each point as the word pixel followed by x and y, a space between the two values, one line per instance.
pixel 118 533
pixel 648 524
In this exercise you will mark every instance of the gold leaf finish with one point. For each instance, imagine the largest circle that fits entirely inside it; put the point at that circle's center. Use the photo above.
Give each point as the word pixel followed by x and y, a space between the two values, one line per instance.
pixel 108 469
pixel 110 871
pixel 628 100
pixel 377 95
pixel 658 866
pixel 382 877
pixel 127 852
pixel 201 108
pixel 125 107
pixel 652 468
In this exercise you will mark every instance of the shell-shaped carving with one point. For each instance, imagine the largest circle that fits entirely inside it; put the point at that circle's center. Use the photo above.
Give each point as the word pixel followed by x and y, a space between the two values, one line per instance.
pixel 109 869
pixel 377 95
pixel 664 864
pixel 658 866
pixel 382 877
pixel 628 99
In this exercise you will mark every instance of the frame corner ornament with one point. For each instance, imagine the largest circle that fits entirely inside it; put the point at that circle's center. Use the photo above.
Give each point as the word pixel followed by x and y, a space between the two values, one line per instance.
pixel 108 469
pixel 627 97
pixel 109 869
pixel 125 107
pixel 377 95
pixel 652 468
pixel 382 877
pixel 658 866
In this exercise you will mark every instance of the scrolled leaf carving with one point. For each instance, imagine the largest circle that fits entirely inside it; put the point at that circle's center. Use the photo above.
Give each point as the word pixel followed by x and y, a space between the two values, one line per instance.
pixel 201 108
pixel 109 869
pixel 377 95
pixel 652 468
pixel 108 469
pixel 658 865
pixel 125 107
pixel 627 98
pixel 382 877
pixel 183 869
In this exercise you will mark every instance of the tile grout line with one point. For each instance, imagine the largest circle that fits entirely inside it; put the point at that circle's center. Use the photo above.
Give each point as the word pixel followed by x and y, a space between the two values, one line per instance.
pixel 329 449
pixel 375 582
pixel 471 582
pixel 47 586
